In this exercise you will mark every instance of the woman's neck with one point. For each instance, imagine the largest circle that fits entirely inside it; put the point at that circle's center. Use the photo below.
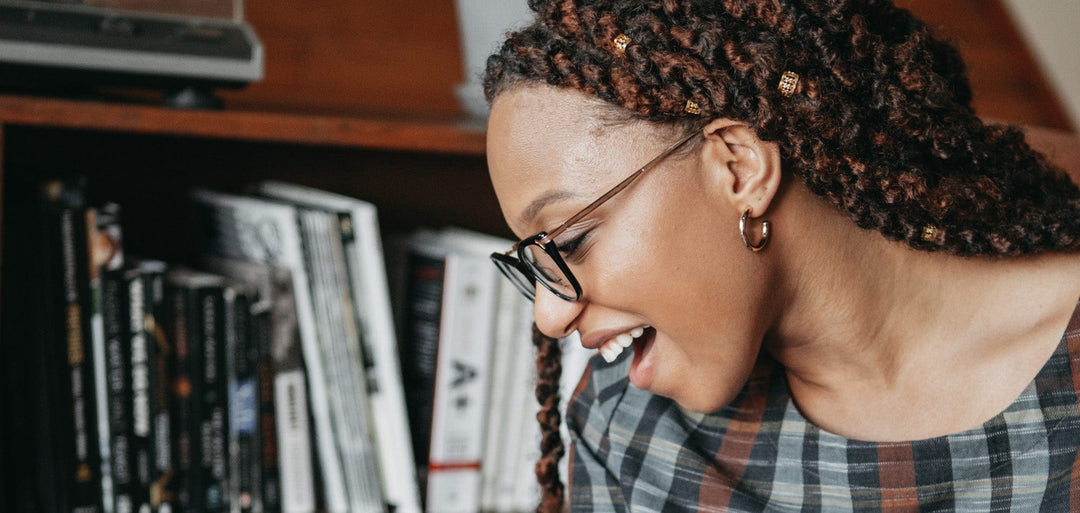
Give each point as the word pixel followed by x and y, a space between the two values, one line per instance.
pixel 883 342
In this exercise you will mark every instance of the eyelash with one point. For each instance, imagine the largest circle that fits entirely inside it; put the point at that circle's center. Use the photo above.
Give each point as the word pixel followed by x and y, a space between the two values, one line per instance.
pixel 571 247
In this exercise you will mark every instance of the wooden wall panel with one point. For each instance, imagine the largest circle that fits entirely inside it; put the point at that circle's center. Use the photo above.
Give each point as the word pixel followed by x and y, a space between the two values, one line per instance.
pixel 367 56
pixel 356 56
pixel 1006 80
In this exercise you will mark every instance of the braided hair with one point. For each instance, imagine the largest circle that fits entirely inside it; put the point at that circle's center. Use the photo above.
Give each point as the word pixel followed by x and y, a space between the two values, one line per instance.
pixel 880 124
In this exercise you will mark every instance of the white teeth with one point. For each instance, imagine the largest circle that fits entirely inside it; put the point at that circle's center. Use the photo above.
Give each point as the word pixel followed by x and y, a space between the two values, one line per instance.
pixel 610 353
pixel 615 346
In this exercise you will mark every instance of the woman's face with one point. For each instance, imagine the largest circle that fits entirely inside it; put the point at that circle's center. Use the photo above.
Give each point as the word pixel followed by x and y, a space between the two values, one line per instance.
pixel 665 253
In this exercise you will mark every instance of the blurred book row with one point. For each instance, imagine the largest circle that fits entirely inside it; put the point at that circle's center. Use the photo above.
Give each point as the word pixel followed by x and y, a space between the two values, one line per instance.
pixel 284 369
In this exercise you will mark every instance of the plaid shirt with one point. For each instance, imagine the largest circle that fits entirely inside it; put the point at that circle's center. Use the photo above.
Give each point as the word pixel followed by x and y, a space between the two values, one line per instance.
pixel 634 451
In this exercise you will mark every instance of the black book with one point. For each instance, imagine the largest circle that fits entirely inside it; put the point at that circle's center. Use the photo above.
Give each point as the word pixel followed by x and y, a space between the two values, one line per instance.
pixel 419 345
pixel 197 409
pixel 160 480
pixel 71 417
pixel 269 487
pixel 104 244
pixel 118 384
pixel 242 359
pixel 140 358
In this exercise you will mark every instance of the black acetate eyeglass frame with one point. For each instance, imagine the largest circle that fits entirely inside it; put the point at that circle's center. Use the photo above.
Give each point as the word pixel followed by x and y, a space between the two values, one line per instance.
pixel 524 270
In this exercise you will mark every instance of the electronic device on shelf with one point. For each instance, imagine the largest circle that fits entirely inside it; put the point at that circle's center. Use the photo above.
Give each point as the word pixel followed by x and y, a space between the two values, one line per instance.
pixel 57 45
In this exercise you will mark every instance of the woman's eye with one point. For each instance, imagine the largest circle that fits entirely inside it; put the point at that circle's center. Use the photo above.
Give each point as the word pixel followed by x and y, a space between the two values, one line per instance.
pixel 570 248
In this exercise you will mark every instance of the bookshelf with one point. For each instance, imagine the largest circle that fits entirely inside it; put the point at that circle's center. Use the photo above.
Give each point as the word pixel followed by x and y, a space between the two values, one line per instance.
pixel 419 171
pixel 426 171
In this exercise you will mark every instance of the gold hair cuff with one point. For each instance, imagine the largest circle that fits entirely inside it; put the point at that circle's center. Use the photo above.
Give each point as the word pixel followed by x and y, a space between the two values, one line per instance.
pixel 621 41
pixel 930 233
pixel 692 107
pixel 788 82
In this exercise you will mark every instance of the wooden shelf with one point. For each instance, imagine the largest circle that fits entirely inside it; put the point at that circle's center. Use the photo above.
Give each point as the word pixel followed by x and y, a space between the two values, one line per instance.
pixel 438 135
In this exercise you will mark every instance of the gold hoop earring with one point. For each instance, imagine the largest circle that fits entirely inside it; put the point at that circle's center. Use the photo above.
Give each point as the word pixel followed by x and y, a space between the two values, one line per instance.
pixel 746 240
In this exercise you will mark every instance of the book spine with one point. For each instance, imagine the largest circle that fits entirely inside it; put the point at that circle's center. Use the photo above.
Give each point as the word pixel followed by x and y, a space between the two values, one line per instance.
pixel 292 425
pixel 83 473
pixel 160 355
pixel 397 463
pixel 461 385
pixel 268 489
pixel 104 245
pixel 325 392
pixel 140 398
pixel 241 363
pixel 213 424
pixel 184 406
pixel 54 413
pixel 419 349
pixel 506 346
pixel 115 311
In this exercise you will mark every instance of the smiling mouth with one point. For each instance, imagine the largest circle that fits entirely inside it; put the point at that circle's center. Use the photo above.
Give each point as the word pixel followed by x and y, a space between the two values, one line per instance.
pixel 615 346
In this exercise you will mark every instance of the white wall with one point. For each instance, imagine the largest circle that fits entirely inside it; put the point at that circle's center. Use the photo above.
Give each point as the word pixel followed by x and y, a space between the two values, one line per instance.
pixel 1052 32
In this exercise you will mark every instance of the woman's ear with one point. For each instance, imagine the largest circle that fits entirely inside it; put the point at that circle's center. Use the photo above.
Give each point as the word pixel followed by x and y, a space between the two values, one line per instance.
pixel 743 170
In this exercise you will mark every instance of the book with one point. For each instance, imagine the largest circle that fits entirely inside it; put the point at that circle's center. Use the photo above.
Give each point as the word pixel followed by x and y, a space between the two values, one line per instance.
pixel 511 343
pixel 120 493
pixel 71 395
pixel 521 429
pixel 346 378
pixel 105 246
pixel 459 413
pixel 241 363
pixel 419 270
pixel 160 477
pixel 148 353
pixel 265 231
pixel 366 268
pixel 197 408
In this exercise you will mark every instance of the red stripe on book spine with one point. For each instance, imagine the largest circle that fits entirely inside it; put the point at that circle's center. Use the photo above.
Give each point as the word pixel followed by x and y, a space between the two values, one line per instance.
pixel 453 465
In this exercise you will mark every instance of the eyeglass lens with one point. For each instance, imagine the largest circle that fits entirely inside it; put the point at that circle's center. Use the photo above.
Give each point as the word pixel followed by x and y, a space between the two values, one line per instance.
pixel 548 270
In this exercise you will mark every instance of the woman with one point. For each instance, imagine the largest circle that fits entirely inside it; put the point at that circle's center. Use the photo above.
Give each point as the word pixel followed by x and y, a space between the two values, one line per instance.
pixel 841 289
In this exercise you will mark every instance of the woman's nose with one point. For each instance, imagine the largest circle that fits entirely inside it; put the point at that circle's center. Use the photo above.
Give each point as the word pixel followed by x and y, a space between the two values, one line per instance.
pixel 555 316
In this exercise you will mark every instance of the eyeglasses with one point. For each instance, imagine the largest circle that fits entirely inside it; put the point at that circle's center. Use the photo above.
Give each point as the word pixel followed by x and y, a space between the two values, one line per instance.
pixel 538 258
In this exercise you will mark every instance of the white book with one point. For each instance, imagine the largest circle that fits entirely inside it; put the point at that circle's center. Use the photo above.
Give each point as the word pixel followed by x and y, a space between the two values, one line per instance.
pixel 461 383
pixel 339 338
pixel 512 309
pixel 498 391
pixel 373 307
pixel 265 231
pixel 518 462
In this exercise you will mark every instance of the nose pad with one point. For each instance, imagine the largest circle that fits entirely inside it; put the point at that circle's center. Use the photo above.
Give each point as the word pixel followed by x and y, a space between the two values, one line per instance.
pixel 555 316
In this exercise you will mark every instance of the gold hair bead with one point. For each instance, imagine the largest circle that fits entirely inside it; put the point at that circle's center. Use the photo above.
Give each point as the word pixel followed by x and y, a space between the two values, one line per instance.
pixel 692 107
pixel 788 82
pixel 930 233
pixel 621 41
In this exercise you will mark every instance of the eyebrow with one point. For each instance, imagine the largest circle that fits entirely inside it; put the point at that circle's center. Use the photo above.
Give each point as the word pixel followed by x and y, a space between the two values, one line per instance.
pixel 542 201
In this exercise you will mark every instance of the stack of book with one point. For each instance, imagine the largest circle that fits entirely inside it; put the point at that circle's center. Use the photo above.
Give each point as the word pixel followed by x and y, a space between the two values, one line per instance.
pixel 265 372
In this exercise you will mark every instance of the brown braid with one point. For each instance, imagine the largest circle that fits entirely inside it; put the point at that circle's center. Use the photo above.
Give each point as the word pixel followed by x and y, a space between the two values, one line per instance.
pixel 881 124
pixel 548 372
